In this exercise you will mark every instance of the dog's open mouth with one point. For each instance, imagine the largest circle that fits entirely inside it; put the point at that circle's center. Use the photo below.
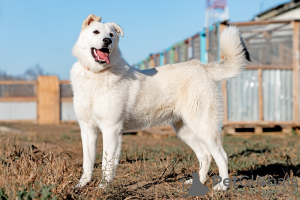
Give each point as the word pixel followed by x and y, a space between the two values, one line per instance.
pixel 101 55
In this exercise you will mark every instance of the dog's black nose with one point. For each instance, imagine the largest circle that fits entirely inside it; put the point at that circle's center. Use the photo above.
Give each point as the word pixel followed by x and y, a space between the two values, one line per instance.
pixel 107 41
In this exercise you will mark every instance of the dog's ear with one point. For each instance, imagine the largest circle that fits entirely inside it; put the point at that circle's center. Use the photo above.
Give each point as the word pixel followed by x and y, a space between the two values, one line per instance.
pixel 117 28
pixel 90 19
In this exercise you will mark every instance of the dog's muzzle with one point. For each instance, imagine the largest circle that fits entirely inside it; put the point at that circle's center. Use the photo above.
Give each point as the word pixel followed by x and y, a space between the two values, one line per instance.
pixel 101 55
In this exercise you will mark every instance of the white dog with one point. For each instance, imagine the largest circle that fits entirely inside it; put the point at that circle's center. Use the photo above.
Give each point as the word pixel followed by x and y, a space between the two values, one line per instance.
pixel 111 97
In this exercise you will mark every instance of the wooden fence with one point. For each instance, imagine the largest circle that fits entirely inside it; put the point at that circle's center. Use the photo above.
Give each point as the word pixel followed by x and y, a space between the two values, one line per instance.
pixel 274 46
pixel 45 101
pixel 266 94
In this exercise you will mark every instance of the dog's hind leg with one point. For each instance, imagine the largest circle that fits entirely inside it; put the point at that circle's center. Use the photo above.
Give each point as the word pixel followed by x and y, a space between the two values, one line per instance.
pixel 112 141
pixel 89 137
pixel 205 127
pixel 191 139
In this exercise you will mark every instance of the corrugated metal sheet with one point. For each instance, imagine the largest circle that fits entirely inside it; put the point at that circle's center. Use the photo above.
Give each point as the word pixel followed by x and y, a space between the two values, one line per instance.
pixel 157 60
pixel 17 90
pixel 181 52
pixel 243 97
pixel 278 95
pixel 67 112
pixel 66 90
pixel 168 57
pixel 18 110
pixel 213 52
pixel 147 63
pixel 196 47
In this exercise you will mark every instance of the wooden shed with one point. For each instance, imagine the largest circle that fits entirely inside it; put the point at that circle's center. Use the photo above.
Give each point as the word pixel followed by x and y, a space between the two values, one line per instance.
pixel 265 95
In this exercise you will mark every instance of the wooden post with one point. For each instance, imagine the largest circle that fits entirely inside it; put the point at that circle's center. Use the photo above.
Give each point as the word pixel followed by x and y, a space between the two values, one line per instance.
pixel 48 95
pixel 188 46
pixel 207 40
pixel 296 71
pixel 157 60
pixel 165 58
pixel 260 97
pixel 152 63
pixel 176 53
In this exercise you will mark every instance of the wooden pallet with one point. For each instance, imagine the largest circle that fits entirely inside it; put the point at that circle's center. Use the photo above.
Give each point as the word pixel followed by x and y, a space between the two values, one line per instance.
pixel 158 132
pixel 237 130
pixel 258 130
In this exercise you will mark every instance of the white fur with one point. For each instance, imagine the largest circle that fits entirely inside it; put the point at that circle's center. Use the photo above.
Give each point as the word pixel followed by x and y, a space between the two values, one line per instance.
pixel 114 98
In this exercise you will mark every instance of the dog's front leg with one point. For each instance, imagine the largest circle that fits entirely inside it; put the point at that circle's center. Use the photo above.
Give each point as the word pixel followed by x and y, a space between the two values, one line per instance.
pixel 89 137
pixel 112 141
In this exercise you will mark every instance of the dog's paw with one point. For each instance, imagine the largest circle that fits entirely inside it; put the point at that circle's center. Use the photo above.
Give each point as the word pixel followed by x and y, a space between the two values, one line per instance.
pixel 219 187
pixel 82 182
pixel 190 181
pixel 79 185
pixel 103 186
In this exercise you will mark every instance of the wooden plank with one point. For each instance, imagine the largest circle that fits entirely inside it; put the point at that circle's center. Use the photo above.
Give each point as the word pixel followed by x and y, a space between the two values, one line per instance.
pixel 176 49
pixel 260 97
pixel 250 134
pixel 229 130
pixel 277 30
pixel 152 64
pixel 158 59
pixel 207 40
pixel 64 82
pixel 66 99
pixel 165 58
pixel 69 122
pixel 261 123
pixel 188 45
pixel 296 71
pixel 252 23
pixel 158 132
pixel 19 121
pixel 18 99
pixel 258 130
pixel 18 82
pixel 48 100
pixel 284 67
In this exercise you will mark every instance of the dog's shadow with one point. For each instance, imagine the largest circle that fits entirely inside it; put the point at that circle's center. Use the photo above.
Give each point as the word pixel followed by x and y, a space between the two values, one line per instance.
pixel 149 72
pixel 279 170
pixel 276 170
pixel 146 72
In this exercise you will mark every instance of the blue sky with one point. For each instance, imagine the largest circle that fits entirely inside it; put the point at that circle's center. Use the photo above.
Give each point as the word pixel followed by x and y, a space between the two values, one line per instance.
pixel 35 32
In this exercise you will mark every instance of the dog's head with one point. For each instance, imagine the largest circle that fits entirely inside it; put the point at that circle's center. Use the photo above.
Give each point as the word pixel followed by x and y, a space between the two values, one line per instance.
pixel 97 43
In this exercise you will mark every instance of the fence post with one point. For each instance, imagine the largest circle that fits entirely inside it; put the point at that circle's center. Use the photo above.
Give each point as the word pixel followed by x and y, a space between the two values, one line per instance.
pixel 296 70
pixel 48 100
pixel 152 62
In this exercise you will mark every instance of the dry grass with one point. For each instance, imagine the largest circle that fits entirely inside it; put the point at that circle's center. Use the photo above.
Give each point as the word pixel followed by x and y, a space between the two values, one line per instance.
pixel 45 162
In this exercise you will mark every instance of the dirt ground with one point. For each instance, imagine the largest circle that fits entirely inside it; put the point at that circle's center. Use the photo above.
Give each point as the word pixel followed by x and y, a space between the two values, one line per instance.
pixel 45 162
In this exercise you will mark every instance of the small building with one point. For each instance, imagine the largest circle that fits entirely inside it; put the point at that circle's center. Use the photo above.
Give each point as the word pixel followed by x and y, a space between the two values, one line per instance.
pixel 285 11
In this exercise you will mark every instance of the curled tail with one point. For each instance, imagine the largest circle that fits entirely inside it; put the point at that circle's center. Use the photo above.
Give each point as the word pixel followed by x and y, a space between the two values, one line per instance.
pixel 235 55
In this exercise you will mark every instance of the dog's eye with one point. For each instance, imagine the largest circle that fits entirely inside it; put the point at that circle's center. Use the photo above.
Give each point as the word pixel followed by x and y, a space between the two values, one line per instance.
pixel 111 35
pixel 96 32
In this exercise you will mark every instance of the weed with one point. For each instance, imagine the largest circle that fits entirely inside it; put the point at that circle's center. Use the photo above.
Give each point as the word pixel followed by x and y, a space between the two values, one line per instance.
pixel 48 164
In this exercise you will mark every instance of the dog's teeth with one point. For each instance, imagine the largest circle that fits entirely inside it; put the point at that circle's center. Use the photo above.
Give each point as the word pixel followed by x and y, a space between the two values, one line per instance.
pixel 96 54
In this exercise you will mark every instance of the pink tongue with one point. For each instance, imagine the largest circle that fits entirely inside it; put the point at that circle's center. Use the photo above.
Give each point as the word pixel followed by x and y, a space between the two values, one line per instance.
pixel 103 56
